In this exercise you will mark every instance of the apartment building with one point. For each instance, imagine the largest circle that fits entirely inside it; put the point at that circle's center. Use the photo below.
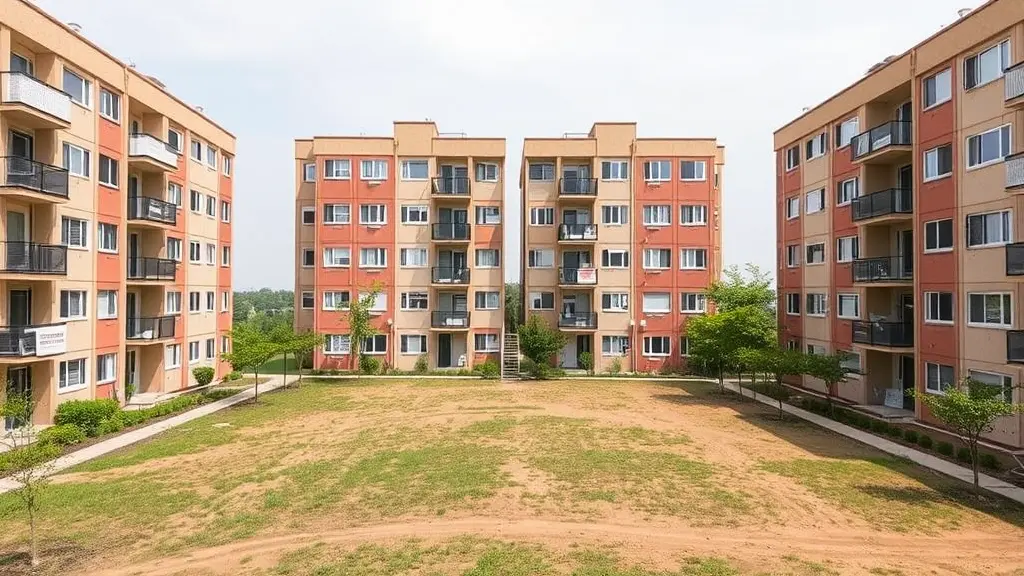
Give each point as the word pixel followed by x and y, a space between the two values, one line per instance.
pixel 419 214
pixel 621 236
pixel 899 201
pixel 99 161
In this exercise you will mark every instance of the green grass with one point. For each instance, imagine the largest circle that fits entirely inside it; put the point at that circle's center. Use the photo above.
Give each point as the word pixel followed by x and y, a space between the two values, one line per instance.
pixel 277 365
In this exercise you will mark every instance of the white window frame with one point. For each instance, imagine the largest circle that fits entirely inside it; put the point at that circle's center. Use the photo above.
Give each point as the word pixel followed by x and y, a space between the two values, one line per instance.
pixel 373 169
pixel 195 149
pixel 846 298
pixel 817 146
pixel 340 169
pixel 172 356
pixel 488 215
pixel 371 347
pixel 340 214
pixel 414 257
pixel 482 262
pixel 936 79
pixel 420 211
pixel 657 215
pixel 614 215
pixel 998 48
pixel 211 254
pixel 1006 232
pixel 693 215
pixel 1003 153
pixel 380 257
pixel 83 97
pixel 848 129
pixel 1005 385
pixel 546 169
pixel 792 207
pixel 175 142
pixel 938 388
pixel 665 341
pixel 938 248
pixel 373 214
pixel 618 170
pixel 66 224
pixel 648 301
pixel 820 195
pixel 309 172
pixel 407 169
pixel 195 302
pixel 194 352
pixel 540 258
pixel 792 158
pixel 106 368
pixel 110 105
pixel 488 296
pixel 408 298
pixel 335 300
pixel 653 258
pixel 847 191
pixel 487 172
pixel 195 252
pixel 102 241
pixel 225 211
pixel 174 195
pixel 307 300
pixel 337 344
pixel 172 303
pixel 64 373
pixel 937 297
pixel 792 256
pixel 611 253
pixel 542 216
pixel 689 258
pixel 617 345
pixel 853 243
pixel 309 210
pixel 818 302
pixel 791 299
pixel 106 304
pixel 692 303
pixel 405 340
pixel 81 296
pixel 700 171
pixel 824 256
pixel 537 300
pixel 658 171
pixel 934 155
pixel 174 248
pixel 1005 304
pixel 84 156
pixel 112 168
pixel 490 342
pixel 617 302
pixel 226 162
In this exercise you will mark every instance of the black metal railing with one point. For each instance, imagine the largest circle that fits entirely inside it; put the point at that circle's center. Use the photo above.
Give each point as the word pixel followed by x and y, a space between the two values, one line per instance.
pixel 893 133
pixel 450 231
pixel 884 269
pixel 577 276
pixel 449 319
pixel 449 275
pixel 1015 346
pixel 20 340
pixel 891 201
pixel 1015 259
pixel 151 269
pixel 892 334
pixel 451 185
pixel 1014 171
pixel 152 328
pixel 577 232
pixel 152 209
pixel 25 173
pixel 32 258
pixel 577 187
pixel 586 320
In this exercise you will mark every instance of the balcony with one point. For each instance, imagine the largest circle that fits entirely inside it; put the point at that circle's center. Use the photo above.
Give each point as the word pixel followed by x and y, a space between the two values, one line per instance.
pixel 884 270
pixel 160 269
pixel 585 188
pixel 891 142
pixel 449 276
pixel 27 258
pixel 1013 86
pixel 577 233
pixel 151 154
pixel 1015 259
pixel 39 340
pixel 149 329
pixel 145 210
pixel 883 334
pixel 577 276
pixel 578 321
pixel 34 180
pixel 450 232
pixel 887 205
pixel 451 186
pixel 1015 172
pixel 31 103
pixel 1015 346
pixel 449 320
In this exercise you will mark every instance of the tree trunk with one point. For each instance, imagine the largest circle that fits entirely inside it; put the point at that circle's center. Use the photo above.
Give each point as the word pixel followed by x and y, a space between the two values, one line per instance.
pixel 33 547
pixel 721 380
pixel 778 391
pixel 972 444
pixel 256 393
pixel 285 369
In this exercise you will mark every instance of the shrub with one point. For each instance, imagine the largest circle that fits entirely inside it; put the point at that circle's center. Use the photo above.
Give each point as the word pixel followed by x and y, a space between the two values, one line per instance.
pixel 203 375
pixel 62 435
pixel 910 436
pixel 963 454
pixel 214 395
pixel 944 448
pixel 110 425
pixel 316 372
pixel 879 427
pixel 421 365
pixel 133 417
pixel 925 441
pixel 489 369
pixel 369 365
pixel 86 414
pixel 334 371
pixel 586 361
pixel 615 367
pixel 989 461
pixel 527 366
pixel 895 432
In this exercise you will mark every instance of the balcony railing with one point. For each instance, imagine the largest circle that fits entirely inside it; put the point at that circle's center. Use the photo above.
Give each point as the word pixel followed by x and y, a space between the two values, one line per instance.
pixel 577 187
pixel 891 201
pixel 1015 170
pixel 152 209
pixel 1015 346
pixel 1013 81
pixel 1015 259
pixel 32 258
pixel 449 319
pixel 152 147
pixel 36 340
pixel 451 185
pixel 577 232
pixel 577 276
pixel 587 320
pixel 894 133
pixel 891 334
pixel 151 269
pixel 25 173
pixel 21 88
pixel 449 275
pixel 153 328
pixel 450 231
pixel 884 269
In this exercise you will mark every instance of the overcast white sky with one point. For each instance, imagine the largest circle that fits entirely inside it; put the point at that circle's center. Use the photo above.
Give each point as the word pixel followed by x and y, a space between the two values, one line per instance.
pixel 271 72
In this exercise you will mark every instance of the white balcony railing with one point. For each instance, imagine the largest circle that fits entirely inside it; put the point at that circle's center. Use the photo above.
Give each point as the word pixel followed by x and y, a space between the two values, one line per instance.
pixel 1013 82
pixel 146 145
pixel 24 89
pixel 1015 170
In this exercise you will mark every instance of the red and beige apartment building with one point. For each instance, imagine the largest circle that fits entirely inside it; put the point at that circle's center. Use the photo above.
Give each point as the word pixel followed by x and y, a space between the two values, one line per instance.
pixel 419 214
pixel 621 237
pixel 115 206
pixel 900 200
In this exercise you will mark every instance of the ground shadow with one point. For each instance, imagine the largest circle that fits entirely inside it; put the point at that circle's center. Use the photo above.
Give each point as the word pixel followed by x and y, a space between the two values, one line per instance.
pixel 54 559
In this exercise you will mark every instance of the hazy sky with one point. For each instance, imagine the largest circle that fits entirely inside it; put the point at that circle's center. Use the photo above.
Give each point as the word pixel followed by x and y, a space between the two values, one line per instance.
pixel 274 71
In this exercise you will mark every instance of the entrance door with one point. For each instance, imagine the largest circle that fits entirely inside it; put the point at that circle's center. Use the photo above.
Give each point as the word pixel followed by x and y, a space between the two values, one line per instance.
pixel 905 113
pixel 17 241
pixel 582 344
pixel 907 308
pixel 444 350
pixel 460 266
pixel 19 308
pixel 569 354
pixel 19 383
pixel 132 311
pixel 906 369
pixel 905 248
pixel 131 372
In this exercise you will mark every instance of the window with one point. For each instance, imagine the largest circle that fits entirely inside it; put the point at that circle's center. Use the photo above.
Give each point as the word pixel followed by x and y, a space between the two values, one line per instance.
pixel 172 303
pixel 793 255
pixel 792 303
pixel 938 377
pixel 938 307
pixel 684 346
pixel 225 344
pixel 308 215
pixel 106 368
pixel 174 249
pixel 938 88
pixel 657 215
pixel 107 237
pixel 985 66
pixel 999 381
pixel 225 301
pixel 490 215
pixel 488 258
pixel 413 343
pixel 657 345
pixel 488 300
pixel 693 215
pixel 211 254
pixel 195 201
pixel 938 162
pixel 657 302
pixel 693 259
pixel 211 301
pixel 174 194
pixel 414 215
pixel 196 150
pixel 412 257
pixel 692 169
pixel 337 257
pixel 376 344
pixel 72 305
pixel 172 356
pixel 847 248
pixel 110 105
pixel 211 161
pixel 816 253
pixel 851 362
pixel 307 301
pixel 415 170
pixel 194 255
pixel 74 233
pixel 847 191
pixel 987 147
pixel 225 211
pixel 846 131
pixel 543 171
pixel 486 343
pixel 373 257
pixel 414 301
pixel 615 302
pixel 106 304
pixel 614 345
pixel 816 304
pixel 373 169
pixel 78 88
pixel 337 300
pixel 692 303
pixel 486 172
pixel 308 258
pixel 815 201
pixel 174 139
pixel 193 301
pixel 211 349
pixel 193 352
pixel 657 258
pixel 76 160
pixel 333 170
pixel 542 216
pixel 373 214
pixel 72 375
pixel 615 258
pixel 792 158
pixel 990 309
pixel 989 229
pixel 792 207
pixel 227 165
pixel 614 215
pixel 542 300
pixel 792 345
pixel 337 344
pixel 658 171
pixel 211 206
pixel 815 350
pixel 614 170
pixel 938 235
pixel 543 258
pixel 817 146
pixel 849 306
pixel 337 214
pixel 309 172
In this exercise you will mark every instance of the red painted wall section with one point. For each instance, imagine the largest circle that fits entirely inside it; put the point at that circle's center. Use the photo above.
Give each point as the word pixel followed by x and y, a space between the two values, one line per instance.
pixel 842 226
pixel 789 185
pixel 226 193
pixel 110 267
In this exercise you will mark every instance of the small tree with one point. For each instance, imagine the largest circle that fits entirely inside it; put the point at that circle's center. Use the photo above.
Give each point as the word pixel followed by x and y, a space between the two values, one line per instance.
pixel 251 348
pixel 828 368
pixel 779 363
pixel 359 326
pixel 203 375
pixel 539 342
pixel 513 306
pixel 753 360
pixel 587 362
pixel 969 409
pixel 302 345
pixel 708 349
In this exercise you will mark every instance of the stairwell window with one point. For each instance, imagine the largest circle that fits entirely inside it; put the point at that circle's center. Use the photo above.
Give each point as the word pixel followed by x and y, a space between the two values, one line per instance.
pixel 988 147
pixel 937 88
pixel 72 305
pixel 792 158
pixel 990 310
pixel 614 258
pixel 308 301
pixel 849 306
pixel 211 300
pixel 938 307
pixel 335 214
pixel 308 215
pixel 938 235
pixel 211 206
pixel 793 304
pixel 657 258
pixel 793 208
pixel 211 161
pixel 308 258
pixel 938 162
pixel 415 170
pixel 847 248
pixel 488 258
pixel 337 344
pixel 373 257
pixel 938 377
pixel 816 253
pixel 816 304
pixel 793 256
pixel 542 300
pixel 309 172
pixel 336 169
pixel 72 375
pixel 542 171
pixel 614 170
pixel 660 215
pixel 486 172
pixel 847 191
pixel 846 131
pixel 108 172
pixel 988 229
pixel 658 171
pixel 614 345
pixel 225 301
pixel 172 303
pixel 78 88
pixel 373 214
pixel 196 150
pixel 486 343
pixel 817 146
pixel 692 170
pixel 107 234
pixel 692 303
pixel 413 344
pixel 373 169
pixel 74 233
pixel 987 65
pixel 195 201
pixel 657 345
pixel 194 252
pixel 76 160
pixel 693 259
pixel 228 160
pixel 106 304
pixel 693 215
pixel 211 254
pixel 816 201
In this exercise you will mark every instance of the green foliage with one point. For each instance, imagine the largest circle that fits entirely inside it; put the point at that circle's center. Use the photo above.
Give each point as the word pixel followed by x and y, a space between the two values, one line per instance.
pixel 944 448
pixel 513 306
pixel 539 342
pixel 249 303
pixel 359 316
pixel 489 369
pixel 737 291
pixel 828 368
pixel 615 367
pixel 203 375
pixel 62 435
pixel 879 427
pixel 894 432
pixel 989 461
pixel 369 365
pixel 925 441
pixel 541 370
pixel 111 425
pixel 586 361
pixel 233 375
pixel 218 394
pixel 86 414
pixel 421 366
pixel 911 436
pixel 963 454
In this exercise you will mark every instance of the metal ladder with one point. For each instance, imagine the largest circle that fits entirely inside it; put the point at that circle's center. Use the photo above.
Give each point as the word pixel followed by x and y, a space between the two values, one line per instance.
pixel 510 356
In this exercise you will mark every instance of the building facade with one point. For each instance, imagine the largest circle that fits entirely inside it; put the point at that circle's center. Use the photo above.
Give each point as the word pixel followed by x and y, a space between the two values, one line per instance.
pixel 115 204
pixel 898 204
pixel 417 214
pixel 621 236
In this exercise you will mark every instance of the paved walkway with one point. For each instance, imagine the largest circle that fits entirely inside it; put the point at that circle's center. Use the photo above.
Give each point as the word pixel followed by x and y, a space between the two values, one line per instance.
pixel 946 467
pixel 117 442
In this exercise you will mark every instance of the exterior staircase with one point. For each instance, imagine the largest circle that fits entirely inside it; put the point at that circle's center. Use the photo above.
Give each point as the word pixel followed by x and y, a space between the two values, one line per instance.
pixel 510 356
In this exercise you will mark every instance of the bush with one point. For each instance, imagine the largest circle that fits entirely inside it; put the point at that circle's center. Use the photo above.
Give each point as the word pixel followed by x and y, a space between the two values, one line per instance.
pixel 421 365
pixel 925 441
pixel 944 448
pixel 110 425
pixel 369 365
pixel 879 427
pixel 895 432
pixel 334 371
pixel 62 435
pixel 203 375
pixel 132 418
pixel 489 369
pixel 316 372
pixel 586 361
pixel 910 436
pixel 989 461
pixel 86 414
pixel 214 395
pixel 963 455
pixel 615 367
